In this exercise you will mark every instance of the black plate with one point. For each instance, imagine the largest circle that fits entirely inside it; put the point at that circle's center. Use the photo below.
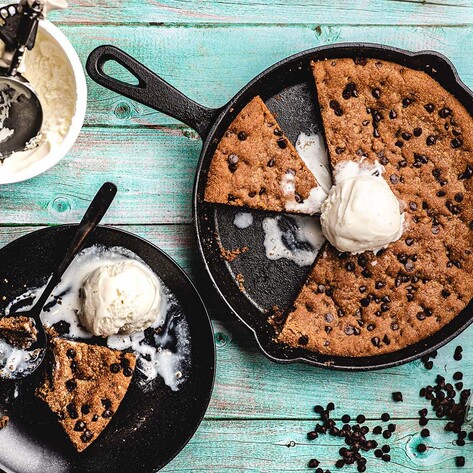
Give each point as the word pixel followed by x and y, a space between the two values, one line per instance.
pixel 152 425
pixel 289 91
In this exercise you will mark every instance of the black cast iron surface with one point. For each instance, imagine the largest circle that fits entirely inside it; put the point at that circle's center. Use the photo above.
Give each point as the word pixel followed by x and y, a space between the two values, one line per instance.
pixel 152 425
pixel 289 91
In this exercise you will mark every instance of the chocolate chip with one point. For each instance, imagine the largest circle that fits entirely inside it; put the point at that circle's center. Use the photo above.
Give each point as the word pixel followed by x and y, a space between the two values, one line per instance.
pixel 106 403
pixel 303 340
pixel 349 91
pixel 79 426
pixel 233 159
pixel 420 316
pixel 339 150
pixel 335 106
pixel 454 209
pixel 232 167
pixel 431 140
pixel 72 411
pixel 421 447
pixel 262 191
pixel 328 318
pixel 313 463
pixel 242 136
pixel 365 122
pixel 365 302
pixel 386 340
pixel 71 353
pixel 128 372
pixel 86 436
pixel 376 341
pixel 366 273
pixel 85 409
pixel 392 114
pixel 406 136
pixel 441 193
pixel 402 163
pixel 417 132
pixel 71 384
pixel 435 229
pixel 62 327
pixel 379 284
pixel 399 144
pixel 407 101
pixel 444 112
pixel 349 330
pixel 115 368
pixel 394 326
pixel 376 93
pixel 370 327
pixel 95 418
pixel 412 206
pixel 252 194
pixel 282 143
pixel 278 132
pixel 231 198
pixel 394 179
pixel 360 61
pixel 270 163
pixel 430 107
pixel 397 397
pixel 460 461
pixel 107 414
pixel 456 142
pixel 350 266
pixel 467 173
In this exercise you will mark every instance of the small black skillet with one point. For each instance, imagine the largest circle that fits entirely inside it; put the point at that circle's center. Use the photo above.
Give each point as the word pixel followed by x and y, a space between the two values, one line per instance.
pixel 288 89
pixel 152 424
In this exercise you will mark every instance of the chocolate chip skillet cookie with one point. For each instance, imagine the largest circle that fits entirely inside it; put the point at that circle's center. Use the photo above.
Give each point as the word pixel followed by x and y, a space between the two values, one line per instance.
pixel 367 304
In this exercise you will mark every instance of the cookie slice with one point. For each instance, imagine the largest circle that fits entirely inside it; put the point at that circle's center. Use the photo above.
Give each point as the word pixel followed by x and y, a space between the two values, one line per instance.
pixel 18 331
pixel 380 113
pixel 256 166
pixel 86 387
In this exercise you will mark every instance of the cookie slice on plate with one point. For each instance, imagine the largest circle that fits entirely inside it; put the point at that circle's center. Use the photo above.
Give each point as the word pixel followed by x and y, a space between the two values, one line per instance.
pixel 256 166
pixel 401 121
pixel 86 387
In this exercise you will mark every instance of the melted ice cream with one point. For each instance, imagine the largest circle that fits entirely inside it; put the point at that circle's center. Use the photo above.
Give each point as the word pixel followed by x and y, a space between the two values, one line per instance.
pixel 163 350
pixel 243 220
pixel 295 238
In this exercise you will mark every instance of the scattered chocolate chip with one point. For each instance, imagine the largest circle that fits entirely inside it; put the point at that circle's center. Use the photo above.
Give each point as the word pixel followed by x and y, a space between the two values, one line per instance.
pixel 399 144
pixel 392 114
pixel 71 353
pixel 270 163
pixel 376 93
pixel 242 136
pixel 128 372
pixel 397 396
pixel 339 150
pixel 350 91
pixel 421 447
pixel 303 340
pixel 407 101
pixel 278 132
pixel 467 173
pixel 417 132
pixel 406 136
pixel 85 409
pixel 115 368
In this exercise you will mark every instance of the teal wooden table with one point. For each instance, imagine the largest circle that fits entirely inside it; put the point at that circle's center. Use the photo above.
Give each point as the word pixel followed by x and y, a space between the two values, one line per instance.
pixel 260 412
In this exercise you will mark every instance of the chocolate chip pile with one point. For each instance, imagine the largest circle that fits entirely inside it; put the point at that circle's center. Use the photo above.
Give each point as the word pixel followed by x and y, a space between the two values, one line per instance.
pixel 355 435
pixel 448 400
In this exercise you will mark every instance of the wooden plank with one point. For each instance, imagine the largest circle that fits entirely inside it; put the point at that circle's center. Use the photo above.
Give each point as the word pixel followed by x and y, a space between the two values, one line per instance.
pixel 269 11
pixel 271 446
pixel 196 59
pixel 153 169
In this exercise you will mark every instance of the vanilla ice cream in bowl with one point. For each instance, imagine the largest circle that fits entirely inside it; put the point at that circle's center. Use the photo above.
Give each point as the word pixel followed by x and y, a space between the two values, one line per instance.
pixel 55 72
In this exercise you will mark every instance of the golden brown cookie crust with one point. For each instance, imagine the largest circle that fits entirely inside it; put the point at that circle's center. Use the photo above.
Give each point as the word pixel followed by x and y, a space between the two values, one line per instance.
pixel 86 387
pixel 251 160
pixel 366 305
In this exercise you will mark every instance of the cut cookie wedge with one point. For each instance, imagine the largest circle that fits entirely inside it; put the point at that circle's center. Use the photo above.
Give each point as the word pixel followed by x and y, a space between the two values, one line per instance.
pixel 380 112
pixel 86 387
pixel 18 331
pixel 256 166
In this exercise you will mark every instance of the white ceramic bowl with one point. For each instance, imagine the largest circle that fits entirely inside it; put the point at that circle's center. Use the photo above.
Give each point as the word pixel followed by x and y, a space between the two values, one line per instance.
pixel 57 152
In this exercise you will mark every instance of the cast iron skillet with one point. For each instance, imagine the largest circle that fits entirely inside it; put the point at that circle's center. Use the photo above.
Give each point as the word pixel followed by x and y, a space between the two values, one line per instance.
pixel 152 425
pixel 289 91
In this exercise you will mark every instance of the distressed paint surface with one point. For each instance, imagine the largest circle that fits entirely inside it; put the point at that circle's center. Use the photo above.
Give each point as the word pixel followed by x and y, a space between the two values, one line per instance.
pixel 261 411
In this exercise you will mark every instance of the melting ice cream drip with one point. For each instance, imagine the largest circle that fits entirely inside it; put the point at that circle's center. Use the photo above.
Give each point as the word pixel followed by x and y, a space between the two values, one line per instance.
pixel 156 355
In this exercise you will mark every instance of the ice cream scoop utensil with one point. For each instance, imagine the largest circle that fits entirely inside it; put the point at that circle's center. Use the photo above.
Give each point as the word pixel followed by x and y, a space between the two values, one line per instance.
pixel 89 222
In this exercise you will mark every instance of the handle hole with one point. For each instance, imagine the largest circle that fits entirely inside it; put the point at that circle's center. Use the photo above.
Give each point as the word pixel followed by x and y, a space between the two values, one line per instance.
pixel 114 69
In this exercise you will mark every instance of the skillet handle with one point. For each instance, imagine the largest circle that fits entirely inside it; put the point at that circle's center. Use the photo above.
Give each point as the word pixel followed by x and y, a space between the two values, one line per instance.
pixel 151 90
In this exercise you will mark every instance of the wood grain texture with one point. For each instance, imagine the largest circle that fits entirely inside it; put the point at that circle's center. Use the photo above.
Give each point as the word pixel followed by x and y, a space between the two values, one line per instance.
pixel 196 60
pixel 417 12
pixel 270 446
pixel 153 169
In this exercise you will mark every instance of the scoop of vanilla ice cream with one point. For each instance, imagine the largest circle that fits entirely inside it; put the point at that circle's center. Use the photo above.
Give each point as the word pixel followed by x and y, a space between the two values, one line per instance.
pixel 361 214
pixel 123 297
